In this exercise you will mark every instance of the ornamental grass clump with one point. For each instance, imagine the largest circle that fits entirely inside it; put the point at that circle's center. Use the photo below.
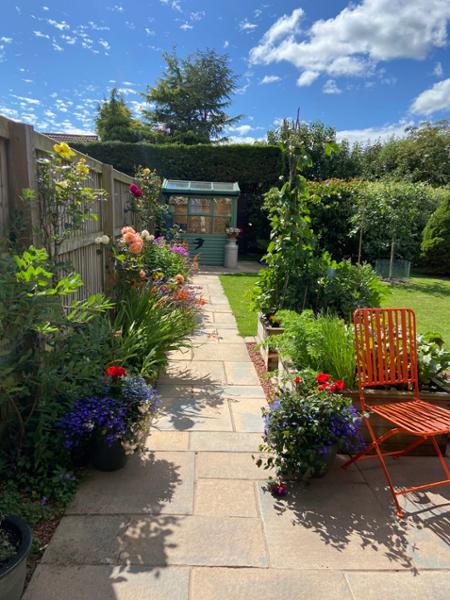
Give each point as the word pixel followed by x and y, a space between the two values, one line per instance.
pixel 123 412
pixel 304 427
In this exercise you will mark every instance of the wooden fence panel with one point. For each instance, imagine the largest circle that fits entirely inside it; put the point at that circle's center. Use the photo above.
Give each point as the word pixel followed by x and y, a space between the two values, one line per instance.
pixel 91 261
pixel 4 206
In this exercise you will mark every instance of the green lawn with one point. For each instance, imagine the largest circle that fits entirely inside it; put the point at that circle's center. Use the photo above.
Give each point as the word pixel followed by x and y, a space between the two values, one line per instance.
pixel 430 300
pixel 238 291
pixel 428 297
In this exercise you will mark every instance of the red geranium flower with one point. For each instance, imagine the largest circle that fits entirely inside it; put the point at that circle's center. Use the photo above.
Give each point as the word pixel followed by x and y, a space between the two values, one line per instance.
pixel 115 372
pixel 278 489
pixel 298 379
pixel 339 385
pixel 324 386
pixel 137 192
pixel 323 378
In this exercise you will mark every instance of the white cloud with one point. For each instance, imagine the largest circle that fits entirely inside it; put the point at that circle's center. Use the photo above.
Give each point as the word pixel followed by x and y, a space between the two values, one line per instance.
pixel 438 70
pixel 373 134
pixel 5 40
pixel 269 79
pixel 27 100
pixel 245 25
pixel 186 27
pixel 433 100
pixel 149 31
pixel 41 35
pixel 226 44
pixel 45 8
pixel 307 78
pixel 360 36
pixel 232 139
pixel 240 129
pixel 174 4
pixel 104 44
pixel 331 87
pixel 116 8
pixel 62 25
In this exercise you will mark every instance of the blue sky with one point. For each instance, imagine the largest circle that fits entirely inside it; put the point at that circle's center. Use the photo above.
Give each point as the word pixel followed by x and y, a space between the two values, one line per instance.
pixel 368 68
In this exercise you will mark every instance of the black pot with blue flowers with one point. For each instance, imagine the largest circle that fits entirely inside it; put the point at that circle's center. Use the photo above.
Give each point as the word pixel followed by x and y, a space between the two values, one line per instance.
pixel 305 426
pixel 15 545
pixel 114 423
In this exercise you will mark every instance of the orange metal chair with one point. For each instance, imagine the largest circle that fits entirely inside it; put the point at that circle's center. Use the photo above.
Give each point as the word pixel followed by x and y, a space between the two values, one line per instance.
pixel 385 340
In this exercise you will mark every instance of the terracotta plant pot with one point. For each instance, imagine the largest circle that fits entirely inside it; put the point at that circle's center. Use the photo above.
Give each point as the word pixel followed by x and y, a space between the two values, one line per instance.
pixel 13 572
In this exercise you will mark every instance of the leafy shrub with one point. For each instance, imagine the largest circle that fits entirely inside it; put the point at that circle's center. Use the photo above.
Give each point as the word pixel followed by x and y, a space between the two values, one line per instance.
pixel 433 358
pixel 302 425
pixel 322 343
pixel 348 287
pixel 435 246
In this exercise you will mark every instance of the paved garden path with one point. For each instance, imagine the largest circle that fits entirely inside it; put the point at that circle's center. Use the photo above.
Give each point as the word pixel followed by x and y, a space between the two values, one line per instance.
pixel 194 521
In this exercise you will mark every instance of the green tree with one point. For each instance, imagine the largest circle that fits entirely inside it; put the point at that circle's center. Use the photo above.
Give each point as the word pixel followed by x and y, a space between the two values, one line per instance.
pixel 115 122
pixel 436 239
pixel 191 98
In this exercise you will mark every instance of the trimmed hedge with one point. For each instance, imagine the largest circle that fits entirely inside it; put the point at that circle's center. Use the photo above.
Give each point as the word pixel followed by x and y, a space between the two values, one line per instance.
pixel 256 168
pixel 436 240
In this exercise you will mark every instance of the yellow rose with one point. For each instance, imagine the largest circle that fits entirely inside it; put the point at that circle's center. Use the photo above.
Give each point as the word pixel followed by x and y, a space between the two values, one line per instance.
pixel 146 172
pixel 81 167
pixel 63 150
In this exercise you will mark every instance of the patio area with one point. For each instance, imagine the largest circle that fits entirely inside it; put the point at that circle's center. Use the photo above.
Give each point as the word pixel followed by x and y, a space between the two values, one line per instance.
pixel 195 521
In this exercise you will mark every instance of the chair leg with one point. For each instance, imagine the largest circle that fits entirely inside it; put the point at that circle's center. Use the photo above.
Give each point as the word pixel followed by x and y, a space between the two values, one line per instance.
pixel 400 512
pixel 440 456
pixel 371 446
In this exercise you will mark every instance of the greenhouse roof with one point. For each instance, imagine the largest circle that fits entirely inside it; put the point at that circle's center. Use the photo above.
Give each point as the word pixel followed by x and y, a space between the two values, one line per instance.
pixel 211 188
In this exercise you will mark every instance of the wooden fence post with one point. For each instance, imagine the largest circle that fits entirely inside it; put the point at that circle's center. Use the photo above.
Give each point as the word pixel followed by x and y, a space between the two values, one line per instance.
pixel 109 226
pixel 24 215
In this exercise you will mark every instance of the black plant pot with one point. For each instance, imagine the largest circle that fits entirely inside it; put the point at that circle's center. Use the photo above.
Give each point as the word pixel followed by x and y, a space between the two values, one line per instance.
pixel 326 462
pixel 13 572
pixel 107 458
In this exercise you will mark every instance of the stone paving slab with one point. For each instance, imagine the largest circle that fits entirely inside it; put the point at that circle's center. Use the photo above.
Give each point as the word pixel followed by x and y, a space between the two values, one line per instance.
pixel 225 498
pixel 246 414
pixel 228 465
pixel 241 373
pixel 195 373
pixel 224 441
pixel 164 483
pixel 226 352
pixel 167 440
pixel 195 414
pixel 268 584
pixel 341 528
pixel 98 582
pixel 406 585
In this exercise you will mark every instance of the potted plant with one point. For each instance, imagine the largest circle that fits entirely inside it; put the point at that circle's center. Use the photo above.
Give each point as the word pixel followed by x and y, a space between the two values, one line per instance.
pixel 15 544
pixel 305 427
pixel 114 423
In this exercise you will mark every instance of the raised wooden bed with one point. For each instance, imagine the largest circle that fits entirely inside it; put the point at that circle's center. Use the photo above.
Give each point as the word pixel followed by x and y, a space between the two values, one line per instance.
pixel 264 331
pixel 380 425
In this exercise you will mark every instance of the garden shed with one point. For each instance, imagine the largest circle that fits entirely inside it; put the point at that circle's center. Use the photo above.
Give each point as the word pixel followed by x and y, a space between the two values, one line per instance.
pixel 204 210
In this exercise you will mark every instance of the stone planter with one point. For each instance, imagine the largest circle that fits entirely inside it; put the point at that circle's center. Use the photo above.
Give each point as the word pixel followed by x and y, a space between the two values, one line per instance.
pixel 13 572
pixel 380 425
pixel 264 331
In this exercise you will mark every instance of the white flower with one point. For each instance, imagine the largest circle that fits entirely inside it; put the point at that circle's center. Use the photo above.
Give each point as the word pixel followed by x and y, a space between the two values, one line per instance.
pixel 145 235
pixel 143 408
pixel 128 448
pixel 151 238
pixel 105 239
pixel 98 240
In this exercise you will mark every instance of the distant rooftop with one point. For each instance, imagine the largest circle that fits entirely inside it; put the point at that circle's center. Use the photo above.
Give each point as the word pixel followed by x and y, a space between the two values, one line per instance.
pixel 72 138
pixel 216 188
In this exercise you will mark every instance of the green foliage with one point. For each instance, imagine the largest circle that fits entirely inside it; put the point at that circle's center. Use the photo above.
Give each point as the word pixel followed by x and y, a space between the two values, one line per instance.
pixel 433 358
pixel 114 121
pixel 65 199
pixel 254 167
pixel 192 96
pixel 148 208
pixel 320 343
pixel 393 212
pixel 160 259
pixel 435 246
pixel 301 426
pixel 7 548
pixel 146 329
pixel 348 287
pixel 40 369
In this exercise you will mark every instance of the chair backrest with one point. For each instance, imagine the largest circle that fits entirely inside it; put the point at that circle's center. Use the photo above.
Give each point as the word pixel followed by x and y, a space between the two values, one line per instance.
pixel 385 340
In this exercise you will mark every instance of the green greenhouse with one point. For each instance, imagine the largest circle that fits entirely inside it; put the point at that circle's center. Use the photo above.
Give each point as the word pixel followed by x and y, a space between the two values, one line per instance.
pixel 204 210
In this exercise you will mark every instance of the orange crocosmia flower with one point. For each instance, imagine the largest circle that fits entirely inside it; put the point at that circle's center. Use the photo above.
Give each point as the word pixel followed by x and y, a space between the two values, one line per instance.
pixel 142 274
pixel 179 278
